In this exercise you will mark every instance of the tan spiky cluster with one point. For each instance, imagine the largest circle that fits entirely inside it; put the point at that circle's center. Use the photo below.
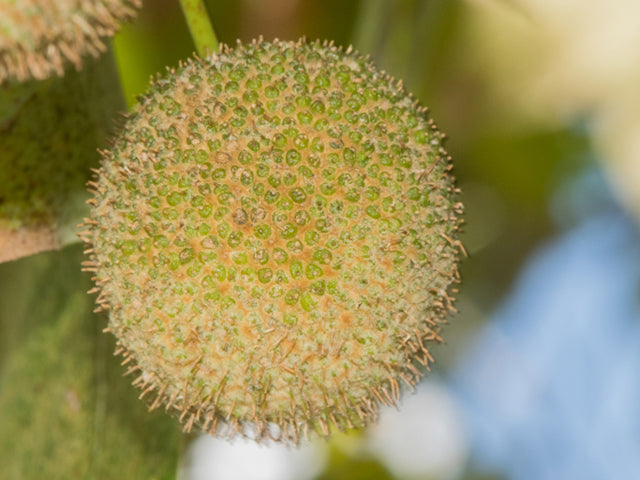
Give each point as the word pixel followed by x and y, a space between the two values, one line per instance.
pixel 274 235
pixel 39 38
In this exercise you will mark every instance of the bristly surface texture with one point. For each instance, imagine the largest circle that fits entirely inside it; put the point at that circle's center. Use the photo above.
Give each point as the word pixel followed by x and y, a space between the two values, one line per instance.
pixel 274 234
pixel 39 38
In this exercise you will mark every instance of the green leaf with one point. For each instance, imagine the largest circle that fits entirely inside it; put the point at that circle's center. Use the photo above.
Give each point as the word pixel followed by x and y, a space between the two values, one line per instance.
pixel 49 135
pixel 65 409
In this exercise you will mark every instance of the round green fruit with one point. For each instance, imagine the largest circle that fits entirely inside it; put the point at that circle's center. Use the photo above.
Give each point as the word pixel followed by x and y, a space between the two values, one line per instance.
pixel 38 38
pixel 274 234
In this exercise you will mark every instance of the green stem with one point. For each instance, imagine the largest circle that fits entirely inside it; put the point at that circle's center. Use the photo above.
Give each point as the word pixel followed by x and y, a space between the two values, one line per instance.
pixel 202 32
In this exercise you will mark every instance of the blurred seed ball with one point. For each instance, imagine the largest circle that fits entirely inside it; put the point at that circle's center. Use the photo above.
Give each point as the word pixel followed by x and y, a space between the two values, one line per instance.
pixel 274 234
pixel 39 38
pixel 49 133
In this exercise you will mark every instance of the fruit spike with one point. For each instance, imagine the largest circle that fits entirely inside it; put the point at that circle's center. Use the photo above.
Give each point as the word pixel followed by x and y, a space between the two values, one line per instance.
pixel 274 235
pixel 39 37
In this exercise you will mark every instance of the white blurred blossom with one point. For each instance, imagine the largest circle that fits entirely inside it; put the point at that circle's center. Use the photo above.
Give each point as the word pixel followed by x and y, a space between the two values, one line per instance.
pixel 424 438
pixel 551 61
pixel 209 458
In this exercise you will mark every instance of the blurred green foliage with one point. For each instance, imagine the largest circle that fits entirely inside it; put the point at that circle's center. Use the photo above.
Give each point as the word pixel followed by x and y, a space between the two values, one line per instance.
pixel 343 466
pixel 49 133
pixel 66 411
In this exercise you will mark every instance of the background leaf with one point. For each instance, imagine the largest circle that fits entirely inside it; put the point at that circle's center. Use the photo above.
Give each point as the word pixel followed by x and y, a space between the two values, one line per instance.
pixel 49 135
pixel 65 409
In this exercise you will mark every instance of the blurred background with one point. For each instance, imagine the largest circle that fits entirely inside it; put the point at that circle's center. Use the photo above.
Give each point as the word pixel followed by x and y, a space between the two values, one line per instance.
pixel 540 374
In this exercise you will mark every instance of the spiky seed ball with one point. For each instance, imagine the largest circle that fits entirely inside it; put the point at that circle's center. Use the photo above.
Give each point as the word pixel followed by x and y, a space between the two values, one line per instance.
pixel 274 234
pixel 38 38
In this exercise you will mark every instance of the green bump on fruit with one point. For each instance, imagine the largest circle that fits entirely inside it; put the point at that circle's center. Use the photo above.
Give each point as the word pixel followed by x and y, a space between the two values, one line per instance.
pixel 296 229
pixel 38 38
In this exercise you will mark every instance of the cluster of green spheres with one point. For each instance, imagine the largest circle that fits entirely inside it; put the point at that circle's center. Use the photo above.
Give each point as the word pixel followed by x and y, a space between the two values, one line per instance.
pixel 274 233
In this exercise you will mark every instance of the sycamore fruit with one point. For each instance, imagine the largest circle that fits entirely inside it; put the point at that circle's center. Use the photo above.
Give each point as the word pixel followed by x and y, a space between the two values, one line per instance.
pixel 274 234
pixel 39 38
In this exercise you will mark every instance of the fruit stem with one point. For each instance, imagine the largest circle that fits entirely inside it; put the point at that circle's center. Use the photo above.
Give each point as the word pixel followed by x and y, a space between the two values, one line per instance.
pixel 200 26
